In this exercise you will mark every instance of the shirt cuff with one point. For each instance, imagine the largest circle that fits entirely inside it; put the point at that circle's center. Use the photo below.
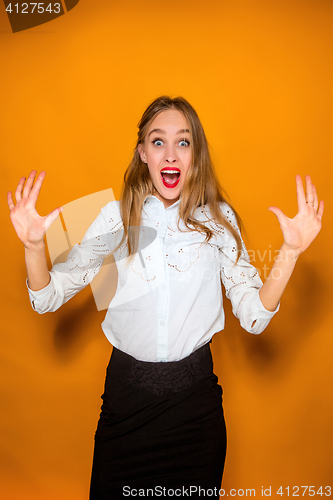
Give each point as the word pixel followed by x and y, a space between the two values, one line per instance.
pixel 43 293
pixel 262 312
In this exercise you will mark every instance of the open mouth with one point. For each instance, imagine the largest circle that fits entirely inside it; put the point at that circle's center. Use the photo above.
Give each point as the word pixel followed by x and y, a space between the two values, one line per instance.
pixel 170 177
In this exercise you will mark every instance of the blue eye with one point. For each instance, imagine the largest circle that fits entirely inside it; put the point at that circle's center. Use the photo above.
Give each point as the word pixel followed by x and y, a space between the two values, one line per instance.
pixel 159 142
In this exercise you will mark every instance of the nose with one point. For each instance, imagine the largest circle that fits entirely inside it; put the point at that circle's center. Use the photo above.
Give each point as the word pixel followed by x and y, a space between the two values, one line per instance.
pixel 170 154
pixel 171 159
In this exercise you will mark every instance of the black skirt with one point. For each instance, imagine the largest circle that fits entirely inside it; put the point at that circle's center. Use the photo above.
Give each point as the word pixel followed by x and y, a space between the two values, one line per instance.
pixel 161 429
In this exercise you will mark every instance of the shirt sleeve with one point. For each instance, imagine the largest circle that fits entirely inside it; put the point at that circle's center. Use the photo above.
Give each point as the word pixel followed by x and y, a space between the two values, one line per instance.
pixel 242 282
pixel 83 263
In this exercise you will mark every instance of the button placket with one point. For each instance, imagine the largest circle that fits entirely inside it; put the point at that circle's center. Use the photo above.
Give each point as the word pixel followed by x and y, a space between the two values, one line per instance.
pixel 163 296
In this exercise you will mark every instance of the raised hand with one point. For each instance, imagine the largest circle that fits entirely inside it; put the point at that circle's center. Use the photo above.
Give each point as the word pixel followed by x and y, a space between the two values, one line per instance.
pixel 28 224
pixel 299 232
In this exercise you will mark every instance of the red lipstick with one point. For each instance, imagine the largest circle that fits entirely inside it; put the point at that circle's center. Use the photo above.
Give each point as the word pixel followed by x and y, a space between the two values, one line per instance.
pixel 171 178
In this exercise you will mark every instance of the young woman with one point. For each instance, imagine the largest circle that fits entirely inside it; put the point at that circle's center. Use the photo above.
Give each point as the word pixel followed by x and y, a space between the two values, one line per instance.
pixel 162 424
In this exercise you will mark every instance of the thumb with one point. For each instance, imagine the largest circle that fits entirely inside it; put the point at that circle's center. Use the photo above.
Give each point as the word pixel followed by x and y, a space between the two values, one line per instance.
pixel 278 213
pixel 52 217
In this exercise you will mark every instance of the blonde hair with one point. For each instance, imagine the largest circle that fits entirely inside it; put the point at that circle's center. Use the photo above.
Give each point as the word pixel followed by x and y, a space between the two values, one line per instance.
pixel 201 185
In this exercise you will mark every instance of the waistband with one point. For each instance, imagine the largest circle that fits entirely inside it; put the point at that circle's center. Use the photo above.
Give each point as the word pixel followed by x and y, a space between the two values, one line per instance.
pixel 161 378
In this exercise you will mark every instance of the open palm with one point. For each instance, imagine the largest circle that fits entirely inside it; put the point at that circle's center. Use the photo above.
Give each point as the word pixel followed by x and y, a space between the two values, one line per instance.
pixel 28 224
pixel 299 232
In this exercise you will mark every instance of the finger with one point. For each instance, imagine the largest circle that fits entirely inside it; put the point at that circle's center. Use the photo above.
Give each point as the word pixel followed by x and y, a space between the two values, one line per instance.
pixel 18 192
pixel 315 198
pixel 37 187
pixel 309 189
pixel 278 213
pixel 28 184
pixel 301 201
pixel 10 200
pixel 52 217
pixel 321 210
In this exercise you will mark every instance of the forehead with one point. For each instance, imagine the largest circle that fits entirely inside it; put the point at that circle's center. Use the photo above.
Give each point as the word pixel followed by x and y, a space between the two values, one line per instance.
pixel 170 120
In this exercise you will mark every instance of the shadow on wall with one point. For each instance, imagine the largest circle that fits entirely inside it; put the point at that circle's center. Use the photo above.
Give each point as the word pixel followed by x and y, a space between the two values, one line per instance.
pixel 78 325
pixel 300 311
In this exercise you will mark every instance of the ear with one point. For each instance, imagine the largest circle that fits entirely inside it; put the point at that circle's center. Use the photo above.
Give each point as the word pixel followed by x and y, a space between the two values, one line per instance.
pixel 142 153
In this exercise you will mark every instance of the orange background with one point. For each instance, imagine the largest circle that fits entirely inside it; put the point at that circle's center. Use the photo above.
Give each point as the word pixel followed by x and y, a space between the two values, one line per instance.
pixel 259 73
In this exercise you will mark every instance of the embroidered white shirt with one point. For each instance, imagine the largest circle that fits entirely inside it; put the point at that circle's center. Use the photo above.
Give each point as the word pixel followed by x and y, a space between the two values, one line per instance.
pixel 168 301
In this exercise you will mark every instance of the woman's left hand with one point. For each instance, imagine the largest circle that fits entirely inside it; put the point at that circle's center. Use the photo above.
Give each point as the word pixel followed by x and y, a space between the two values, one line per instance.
pixel 299 232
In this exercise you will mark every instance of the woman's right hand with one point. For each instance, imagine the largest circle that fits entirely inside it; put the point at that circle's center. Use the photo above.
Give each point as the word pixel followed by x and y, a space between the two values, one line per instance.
pixel 28 224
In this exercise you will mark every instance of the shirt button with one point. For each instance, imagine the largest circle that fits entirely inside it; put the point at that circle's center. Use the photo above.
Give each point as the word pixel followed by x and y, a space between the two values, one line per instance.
pixel 162 323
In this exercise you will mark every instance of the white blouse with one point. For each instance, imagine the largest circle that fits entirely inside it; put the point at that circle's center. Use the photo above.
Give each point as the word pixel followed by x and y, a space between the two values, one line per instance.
pixel 168 301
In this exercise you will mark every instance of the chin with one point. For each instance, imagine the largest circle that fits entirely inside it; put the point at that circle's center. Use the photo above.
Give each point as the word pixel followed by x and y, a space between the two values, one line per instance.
pixel 169 195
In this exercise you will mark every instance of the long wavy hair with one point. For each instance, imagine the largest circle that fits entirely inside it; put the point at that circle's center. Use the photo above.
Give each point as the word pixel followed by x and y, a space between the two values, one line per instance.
pixel 201 185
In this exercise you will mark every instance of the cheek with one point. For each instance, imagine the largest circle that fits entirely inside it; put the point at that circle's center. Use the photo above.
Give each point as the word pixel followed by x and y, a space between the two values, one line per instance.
pixel 154 158
pixel 153 171
pixel 187 166
pixel 187 160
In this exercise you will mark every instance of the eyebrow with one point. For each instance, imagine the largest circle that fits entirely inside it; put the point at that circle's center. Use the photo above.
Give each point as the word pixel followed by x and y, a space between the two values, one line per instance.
pixel 160 131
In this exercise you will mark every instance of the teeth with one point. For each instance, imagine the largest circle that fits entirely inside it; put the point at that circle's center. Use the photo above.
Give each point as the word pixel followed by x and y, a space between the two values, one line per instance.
pixel 170 172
